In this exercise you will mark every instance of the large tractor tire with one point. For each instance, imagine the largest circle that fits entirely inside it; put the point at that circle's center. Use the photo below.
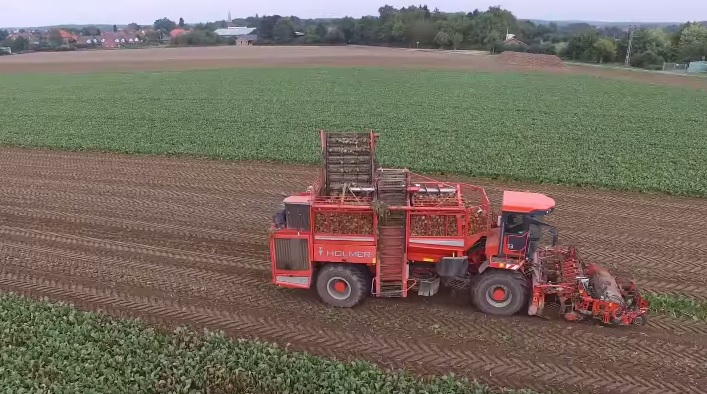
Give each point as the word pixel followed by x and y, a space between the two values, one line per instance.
pixel 499 292
pixel 342 285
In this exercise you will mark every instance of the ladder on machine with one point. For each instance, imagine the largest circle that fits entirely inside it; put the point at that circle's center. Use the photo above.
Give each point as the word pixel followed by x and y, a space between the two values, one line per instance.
pixel 391 272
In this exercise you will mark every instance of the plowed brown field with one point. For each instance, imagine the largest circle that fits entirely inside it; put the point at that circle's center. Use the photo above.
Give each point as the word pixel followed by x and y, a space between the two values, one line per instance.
pixel 183 241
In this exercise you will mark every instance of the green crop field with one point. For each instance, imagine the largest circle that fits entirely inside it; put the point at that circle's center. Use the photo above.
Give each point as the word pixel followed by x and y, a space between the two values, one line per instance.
pixel 53 348
pixel 547 128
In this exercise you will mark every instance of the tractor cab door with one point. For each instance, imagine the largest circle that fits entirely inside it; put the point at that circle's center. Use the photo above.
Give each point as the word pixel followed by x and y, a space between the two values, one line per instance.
pixel 514 235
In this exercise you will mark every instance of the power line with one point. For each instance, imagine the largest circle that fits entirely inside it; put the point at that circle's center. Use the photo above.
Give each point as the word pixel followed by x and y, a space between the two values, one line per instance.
pixel 627 62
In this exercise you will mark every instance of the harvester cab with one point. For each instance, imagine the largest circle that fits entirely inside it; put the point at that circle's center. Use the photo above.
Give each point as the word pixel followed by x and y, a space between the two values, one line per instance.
pixel 521 223
pixel 361 230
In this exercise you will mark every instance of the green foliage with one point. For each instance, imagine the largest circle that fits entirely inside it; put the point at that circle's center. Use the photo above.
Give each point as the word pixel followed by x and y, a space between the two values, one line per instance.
pixel 164 25
pixel 90 31
pixel 18 45
pixel 581 46
pixel 442 39
pixel 416 26
pixel 538 127
pixel 284 31
pixel 457 39
pixel 197 38
pixel 677 306
pixel 605 48
pixel 693 42
pixel 54 38
pixel 493 41
pixel 54 348
pixel 647 60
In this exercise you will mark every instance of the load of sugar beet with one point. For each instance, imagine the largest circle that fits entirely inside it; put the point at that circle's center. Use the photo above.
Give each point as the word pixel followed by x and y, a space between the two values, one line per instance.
pixel 434 226
pixel 343 223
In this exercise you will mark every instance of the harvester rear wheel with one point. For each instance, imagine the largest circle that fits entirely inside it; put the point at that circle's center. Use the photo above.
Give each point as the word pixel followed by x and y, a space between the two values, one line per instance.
pixel 342 285
pixel 502 293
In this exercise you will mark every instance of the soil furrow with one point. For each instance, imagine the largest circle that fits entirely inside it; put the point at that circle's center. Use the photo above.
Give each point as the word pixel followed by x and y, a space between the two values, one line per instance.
pixel 184 241
pixel 333 342
pixel 129 275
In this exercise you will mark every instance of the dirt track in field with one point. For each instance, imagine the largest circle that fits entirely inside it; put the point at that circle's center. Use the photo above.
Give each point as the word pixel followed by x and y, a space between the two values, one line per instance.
pixel 183 241
pixel 159 59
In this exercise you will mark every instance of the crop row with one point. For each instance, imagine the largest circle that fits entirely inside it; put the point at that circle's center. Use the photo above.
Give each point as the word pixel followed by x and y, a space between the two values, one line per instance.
pixel 56 348
pixel 677 306
pixel 544 128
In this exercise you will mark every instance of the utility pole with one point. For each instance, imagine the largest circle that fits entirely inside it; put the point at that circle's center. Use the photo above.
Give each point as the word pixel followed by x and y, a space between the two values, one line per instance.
pixel 627 62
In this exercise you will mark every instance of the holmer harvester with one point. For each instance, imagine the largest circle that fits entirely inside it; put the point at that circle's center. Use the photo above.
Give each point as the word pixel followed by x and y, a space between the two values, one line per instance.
pixel 363 230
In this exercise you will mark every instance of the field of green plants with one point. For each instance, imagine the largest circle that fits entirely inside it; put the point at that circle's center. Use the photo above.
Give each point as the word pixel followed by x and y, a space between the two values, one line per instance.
pixel 545 128
pixel 54 348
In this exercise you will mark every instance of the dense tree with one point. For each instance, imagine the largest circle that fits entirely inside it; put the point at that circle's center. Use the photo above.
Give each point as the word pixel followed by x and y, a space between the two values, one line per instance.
pixel 134 26
pixel 115 28
pixel 605 49
pixel 197 38
pixel 90 31
pixel 19 44
pixel 693 42
pixel 581 46
pixel 442 39
pixel 164 25
pixel 284 31
pixel 181 22
pixel 456 38
pixel 3 34
pixel 493 41
pixel 54 38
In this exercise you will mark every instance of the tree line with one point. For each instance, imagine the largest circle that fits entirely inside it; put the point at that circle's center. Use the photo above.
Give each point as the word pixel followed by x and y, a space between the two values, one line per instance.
pixel 417 26
pixel 420 27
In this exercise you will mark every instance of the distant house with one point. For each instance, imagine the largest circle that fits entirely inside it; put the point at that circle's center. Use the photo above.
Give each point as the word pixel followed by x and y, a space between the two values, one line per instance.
pixel 7 50
pixel 241 35
pixel 34 37
pixel 88 41
pixel 110 40
pixel 511 40
pixel 68 38
pixel 177 32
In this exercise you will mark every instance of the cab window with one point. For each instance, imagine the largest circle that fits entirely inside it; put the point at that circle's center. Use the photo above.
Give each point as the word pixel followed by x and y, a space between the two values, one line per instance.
pixel 514 224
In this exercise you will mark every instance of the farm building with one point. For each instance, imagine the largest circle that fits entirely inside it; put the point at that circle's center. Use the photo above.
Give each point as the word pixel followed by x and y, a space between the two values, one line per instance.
pixel 241 35
pixel 697 67
pixel 511 40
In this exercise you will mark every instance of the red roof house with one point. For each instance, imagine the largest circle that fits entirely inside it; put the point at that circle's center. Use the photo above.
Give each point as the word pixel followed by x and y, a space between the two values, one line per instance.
pixel 177 32
pixel 67 36
pixel 119 39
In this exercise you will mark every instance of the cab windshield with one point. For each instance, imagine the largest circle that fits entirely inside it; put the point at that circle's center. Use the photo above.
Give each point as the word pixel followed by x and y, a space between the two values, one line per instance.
pixel 536 230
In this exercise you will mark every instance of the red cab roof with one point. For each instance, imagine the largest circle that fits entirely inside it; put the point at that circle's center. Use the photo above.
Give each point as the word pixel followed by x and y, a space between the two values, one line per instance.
pixel 524 202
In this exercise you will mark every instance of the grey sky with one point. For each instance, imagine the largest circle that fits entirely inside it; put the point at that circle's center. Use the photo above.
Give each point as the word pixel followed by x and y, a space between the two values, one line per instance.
pixel 50 12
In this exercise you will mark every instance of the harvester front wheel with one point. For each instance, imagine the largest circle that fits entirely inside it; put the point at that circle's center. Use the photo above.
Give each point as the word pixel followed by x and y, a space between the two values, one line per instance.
pixel 342 285
pixel 502 293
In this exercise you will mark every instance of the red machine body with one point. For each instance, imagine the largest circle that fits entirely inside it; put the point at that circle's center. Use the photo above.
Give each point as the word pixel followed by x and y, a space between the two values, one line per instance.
pixel 361 230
